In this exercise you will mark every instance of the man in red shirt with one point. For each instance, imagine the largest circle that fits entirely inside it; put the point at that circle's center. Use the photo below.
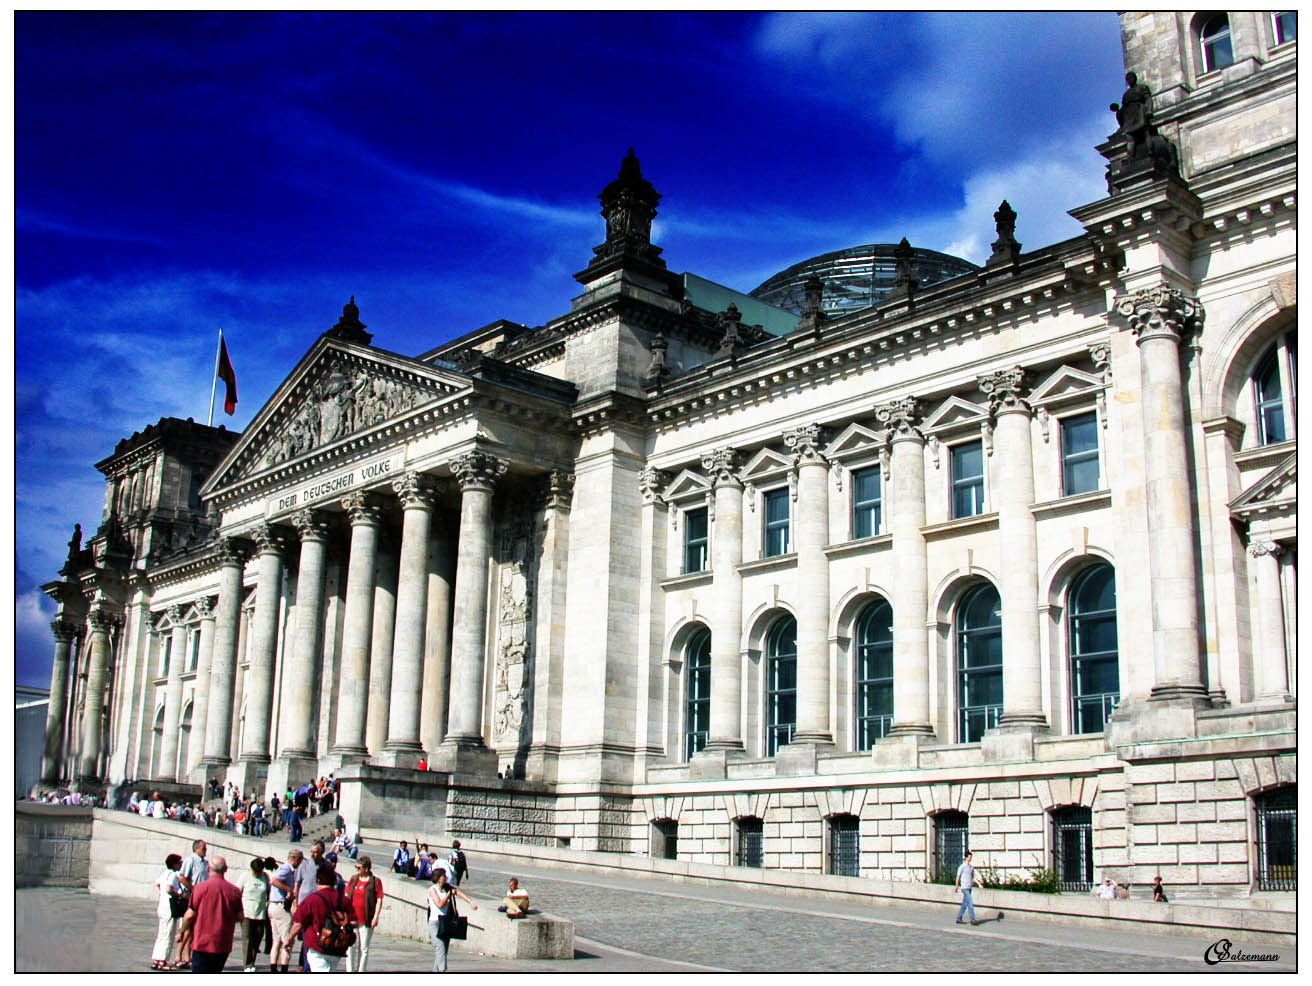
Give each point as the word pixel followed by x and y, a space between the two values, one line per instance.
pixel 311 915
pixel 213 914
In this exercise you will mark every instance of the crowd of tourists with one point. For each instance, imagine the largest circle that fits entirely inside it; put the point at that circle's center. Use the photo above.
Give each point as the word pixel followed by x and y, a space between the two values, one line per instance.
pixel 227 808
pixel 63 797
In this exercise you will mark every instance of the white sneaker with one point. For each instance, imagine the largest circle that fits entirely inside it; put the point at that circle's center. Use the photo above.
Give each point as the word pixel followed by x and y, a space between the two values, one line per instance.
pixel 249 968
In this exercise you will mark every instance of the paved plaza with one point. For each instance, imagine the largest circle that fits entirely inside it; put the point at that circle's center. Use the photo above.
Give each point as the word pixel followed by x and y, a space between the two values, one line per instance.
pixel 626 924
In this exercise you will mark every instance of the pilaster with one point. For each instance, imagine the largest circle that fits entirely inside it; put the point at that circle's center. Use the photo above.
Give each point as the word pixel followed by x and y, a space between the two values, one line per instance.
pixel 726 736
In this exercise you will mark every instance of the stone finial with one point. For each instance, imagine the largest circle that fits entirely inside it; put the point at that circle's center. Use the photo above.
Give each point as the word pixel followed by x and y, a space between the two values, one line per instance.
pixel 813 313
pixel 270 539
pixel 1160 312
pixel 364 509
pixel 904 283
pixel 1005 248
pixel 1005 390
pixel 416 489
pixel 478 470
pixel 64 632
pixel 721 465
pixel 657 372
pixel 807 442
pixel 349 328
pixel 651 482
pixel 731 342
pixel 311 525
pixel 628 204
pixel 901 417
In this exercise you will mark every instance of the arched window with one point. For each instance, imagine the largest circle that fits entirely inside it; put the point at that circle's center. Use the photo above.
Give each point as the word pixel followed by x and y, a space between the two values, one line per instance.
pixel 1214 36
pixel 1273 391
pixel 874 674
pixel 1072 847
pixel 697 694
pixel 951 842
pixel 780 685
pixel 1277 839
pixel 979 662
pixel 1095 672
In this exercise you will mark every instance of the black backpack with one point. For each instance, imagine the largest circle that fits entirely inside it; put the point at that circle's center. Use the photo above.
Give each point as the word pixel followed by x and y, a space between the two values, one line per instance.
pixel 337 936
pixel 459 864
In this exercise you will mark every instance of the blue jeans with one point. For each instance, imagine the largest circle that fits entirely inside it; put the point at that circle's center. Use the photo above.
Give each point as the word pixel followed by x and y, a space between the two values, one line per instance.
pixel 967 903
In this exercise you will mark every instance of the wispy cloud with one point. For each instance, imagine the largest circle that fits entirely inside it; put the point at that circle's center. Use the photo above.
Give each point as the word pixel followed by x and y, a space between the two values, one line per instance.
pixel 29 221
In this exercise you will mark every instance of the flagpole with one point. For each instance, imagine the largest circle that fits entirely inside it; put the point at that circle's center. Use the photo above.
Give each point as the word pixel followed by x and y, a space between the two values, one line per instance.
pixel 214 378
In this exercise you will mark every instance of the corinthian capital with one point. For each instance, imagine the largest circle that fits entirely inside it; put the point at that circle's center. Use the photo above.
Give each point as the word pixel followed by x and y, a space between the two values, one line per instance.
pixel 721 465
pixel 64 632
pixel 478 470
pixel 416 489
pixel 1259 548
pixel 175 615
pixel 270 539
pixel 651 482
pixel 1005 390
pixel 102 621
pixel 363 508
pixel 558 490
pixel 311 525
pixel 901 418
pixel 1160 312
pixel 232 551
pixel 807 442
pixel 205 608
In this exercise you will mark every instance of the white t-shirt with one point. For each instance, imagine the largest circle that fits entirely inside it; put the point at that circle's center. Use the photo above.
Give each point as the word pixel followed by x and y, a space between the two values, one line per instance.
pixel 157 810
pixel 966 876
pixel 167 879
pixel 1107 891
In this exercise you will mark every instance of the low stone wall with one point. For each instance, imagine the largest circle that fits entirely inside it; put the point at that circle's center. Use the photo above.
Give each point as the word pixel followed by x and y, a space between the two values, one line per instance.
pixel 127 853
pixel 52 845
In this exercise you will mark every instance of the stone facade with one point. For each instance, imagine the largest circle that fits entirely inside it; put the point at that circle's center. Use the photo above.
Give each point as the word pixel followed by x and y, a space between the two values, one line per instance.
pixel 1007 561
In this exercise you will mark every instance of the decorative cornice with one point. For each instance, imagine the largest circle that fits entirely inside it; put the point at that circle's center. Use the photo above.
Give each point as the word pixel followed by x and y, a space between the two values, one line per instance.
pixel 1006 391
pixel 807 443
pixel 1160 312
pixel 364 509
pixel 478 470
pixel 651 482
pixel 901 419
pixel 721 465
pixel 416 490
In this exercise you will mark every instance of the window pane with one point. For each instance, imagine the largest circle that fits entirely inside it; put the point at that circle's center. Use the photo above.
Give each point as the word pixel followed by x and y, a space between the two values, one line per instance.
pixel 781 684
pixel 695 540
pixel 776 522
pixel 1079 447
pixel 874 641
pixel 1217 53
pixel 1286 26
pixel 698 709
pixel 866 503
pixel 1095 672
pixel 968 479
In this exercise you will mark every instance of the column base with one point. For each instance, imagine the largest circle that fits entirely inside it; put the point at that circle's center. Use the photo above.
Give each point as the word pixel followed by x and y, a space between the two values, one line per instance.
pixel 910 729
pixel 1012 741
pixel 1175 692
pixel 1274 701
pixel 799 758
pixel 250 772
pixel 1218 698
pixel 464 757
pixel 405 755
pixel 900 750
pixel 341 755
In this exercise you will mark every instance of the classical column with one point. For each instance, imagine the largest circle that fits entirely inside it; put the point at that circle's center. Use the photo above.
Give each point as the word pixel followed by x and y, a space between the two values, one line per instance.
pixel 353 680
pixel 232 555
pixel 811 534
pixel 417 493
pixel 726 730
pixel 477 473
pixel 380 648
pixel 57 709
pixel 167 768
pixel 1022 699
pixel 200 705
pixel 1272 660
pixel 301 679
pixel 1160 319
pixel 271 543
pixel 909 570
pixel 101 623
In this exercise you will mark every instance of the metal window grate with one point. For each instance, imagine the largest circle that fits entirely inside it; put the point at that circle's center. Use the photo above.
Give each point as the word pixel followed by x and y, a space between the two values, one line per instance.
pixel 1072 845
pixel 751 843
pixel 1277 840
pixel 844 846
pixel 951 841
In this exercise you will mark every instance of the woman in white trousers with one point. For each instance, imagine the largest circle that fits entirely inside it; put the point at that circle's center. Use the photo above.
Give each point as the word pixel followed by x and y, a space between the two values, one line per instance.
pixel 169 886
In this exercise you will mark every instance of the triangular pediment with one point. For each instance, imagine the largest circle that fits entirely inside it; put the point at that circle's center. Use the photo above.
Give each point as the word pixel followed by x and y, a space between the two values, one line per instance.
pixel 855 439
pixel 339 391
pixel 1065 381
pixel 1278 487
pixel 685 486
pixel 765 464
pixel 955 412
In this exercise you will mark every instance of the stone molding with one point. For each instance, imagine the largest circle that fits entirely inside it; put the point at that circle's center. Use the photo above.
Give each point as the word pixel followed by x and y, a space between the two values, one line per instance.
pixel 416 490
pixel 478 470
pixel 1160 312
pixel 721 465
pixel 1006 391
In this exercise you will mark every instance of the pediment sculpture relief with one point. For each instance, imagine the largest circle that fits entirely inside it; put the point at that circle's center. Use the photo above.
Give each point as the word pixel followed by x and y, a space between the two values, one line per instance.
pixel 345 400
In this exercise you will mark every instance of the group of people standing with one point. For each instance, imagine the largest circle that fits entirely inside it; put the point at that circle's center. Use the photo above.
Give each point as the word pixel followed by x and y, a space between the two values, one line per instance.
pixel 277 903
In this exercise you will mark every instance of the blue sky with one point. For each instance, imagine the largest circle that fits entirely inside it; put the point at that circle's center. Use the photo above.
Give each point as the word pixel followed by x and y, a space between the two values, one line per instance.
pixel 178 173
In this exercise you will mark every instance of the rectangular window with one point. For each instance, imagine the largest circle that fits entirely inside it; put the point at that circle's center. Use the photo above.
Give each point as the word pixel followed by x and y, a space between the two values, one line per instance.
pixel 776 523
pixel 751 843
pixel 195 651
pixel 844 846
pixel 695 540
pixel 1285 25
pixel 1079 454
pixel 167 652
pixel 968 479
pixel 867 503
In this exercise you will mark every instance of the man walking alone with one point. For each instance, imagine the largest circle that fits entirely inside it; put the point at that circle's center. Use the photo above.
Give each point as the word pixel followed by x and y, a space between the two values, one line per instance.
pixel 966 884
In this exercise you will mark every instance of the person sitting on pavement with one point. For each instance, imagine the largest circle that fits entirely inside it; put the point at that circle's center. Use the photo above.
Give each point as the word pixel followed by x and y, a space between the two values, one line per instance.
pixel 401 859
pixel 1106 890
pixel 515 903
pixel 424 868
pixel 343 845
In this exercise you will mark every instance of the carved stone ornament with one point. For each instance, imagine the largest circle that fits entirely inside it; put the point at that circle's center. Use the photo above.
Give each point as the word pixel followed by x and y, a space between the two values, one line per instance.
pixel 345 400
pixel 349 328
pixel 64 632
pixel 721 465
pixel 175 614
pixel 1160 312
pixel 516 594
pixel 651 482
pixel 1005 390
pixel 205 608
pixel 101 621
pixel 311 525
pixel 1101 354
pixel 270 539
pixel 1006 250
pixel 558 490
pixel 657 372
pixel 364 509
pixel 813 313
pixel 904 283
pixel 1138 152
pixel 628 205
pixel 416 490
pixel 901 418
pixel 1259 548
pixel 232 551
pixel 478 470
pixel 807 443
pixel 728 322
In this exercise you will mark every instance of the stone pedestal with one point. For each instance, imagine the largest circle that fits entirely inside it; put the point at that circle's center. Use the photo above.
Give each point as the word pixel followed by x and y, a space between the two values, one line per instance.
pixel 249 773
pixel 710 765
pixel 1010 742
pixel 798 759
pixel 291 772
pixel 899 751
pixel 453 757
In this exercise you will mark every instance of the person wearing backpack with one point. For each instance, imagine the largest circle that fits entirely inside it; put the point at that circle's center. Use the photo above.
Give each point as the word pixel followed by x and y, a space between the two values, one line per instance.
pixel 459 865
pixel 326 918
pixel 442 917
pixel 365 892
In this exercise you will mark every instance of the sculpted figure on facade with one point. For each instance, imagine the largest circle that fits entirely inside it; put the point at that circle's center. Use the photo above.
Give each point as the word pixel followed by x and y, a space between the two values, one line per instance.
pixel 516 590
